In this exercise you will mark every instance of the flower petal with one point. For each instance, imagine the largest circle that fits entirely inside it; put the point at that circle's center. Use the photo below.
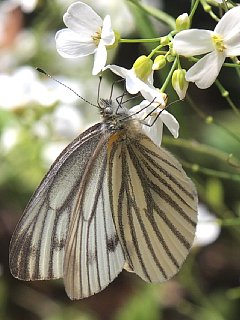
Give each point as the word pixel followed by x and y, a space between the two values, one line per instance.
pixel 170 122
pixel 206 70
pixel 233 47
pixel 193 42
pixel 142 110
pixel 107 34
pixel 150 79
pixel 69 46
pixel 120 71
pixel 153 95
pixel 100 58
pixel 82 19
pixel 229 26
pixel 133 84
pixel 154 132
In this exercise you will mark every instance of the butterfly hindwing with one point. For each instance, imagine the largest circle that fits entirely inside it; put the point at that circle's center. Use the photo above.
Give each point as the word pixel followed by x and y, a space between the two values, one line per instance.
pixel 154 206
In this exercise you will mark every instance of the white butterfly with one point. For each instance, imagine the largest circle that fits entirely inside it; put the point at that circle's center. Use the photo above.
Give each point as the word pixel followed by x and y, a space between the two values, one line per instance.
pixel 112 200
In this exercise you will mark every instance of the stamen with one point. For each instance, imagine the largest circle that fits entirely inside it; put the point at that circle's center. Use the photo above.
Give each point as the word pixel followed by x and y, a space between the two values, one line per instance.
pixel 218 42
pixel 97 36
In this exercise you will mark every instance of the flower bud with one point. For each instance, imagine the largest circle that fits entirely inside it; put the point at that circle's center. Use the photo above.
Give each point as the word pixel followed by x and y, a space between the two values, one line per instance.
pixel 170 57
pixel 179 82
pixel 143 67
pixel 159 62
pixel 182 22
pixel 164 41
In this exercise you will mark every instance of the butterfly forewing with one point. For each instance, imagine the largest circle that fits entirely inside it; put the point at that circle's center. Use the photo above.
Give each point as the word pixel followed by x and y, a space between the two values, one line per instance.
pixel 38 244
pixel 94 256
pixel 154 205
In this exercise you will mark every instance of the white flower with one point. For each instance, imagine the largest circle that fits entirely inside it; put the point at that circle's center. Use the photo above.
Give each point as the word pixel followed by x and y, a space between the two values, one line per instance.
pixel 26 5
pixel 29 89
pixel 148 110
pixel 87 34
pixel 223 42
pixel 208 229
pixel 133 83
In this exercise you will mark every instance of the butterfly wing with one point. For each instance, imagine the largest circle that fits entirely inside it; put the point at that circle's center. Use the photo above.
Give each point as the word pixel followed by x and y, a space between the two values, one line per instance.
pixel 94 256
pixel 155 208
pixel 38 244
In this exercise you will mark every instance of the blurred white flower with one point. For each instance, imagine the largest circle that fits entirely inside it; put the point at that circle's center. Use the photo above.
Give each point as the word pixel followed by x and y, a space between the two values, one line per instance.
pixel 23 82
pixel 52 150
pixel 218 44
pixel 9 138
pixel 29 89
pixel 86 34
pixel 40 129
pixel 208 229
pixel 27 6
pixel 25 45
pixel 67 121
pixel 151 109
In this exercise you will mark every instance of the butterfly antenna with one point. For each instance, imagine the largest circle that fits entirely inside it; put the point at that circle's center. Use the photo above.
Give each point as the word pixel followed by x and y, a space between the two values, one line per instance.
pixel 98 92
pixel 63 84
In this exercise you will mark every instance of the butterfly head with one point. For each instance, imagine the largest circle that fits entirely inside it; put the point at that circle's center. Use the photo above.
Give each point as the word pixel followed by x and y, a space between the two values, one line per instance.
pixel 113 113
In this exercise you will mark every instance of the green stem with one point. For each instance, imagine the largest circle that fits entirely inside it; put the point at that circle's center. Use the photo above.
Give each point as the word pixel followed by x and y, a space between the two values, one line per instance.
pixel 209 119
pixel 236 61
pixel 225 5
pixel 229 222
pixel 204 149
pixel 225 95
pixel 193 9
pixel 139 40
pixel 207 8
pixel 169 76
pixel 226 64
pixel 210 172
pixel 154 51
pixel 156 13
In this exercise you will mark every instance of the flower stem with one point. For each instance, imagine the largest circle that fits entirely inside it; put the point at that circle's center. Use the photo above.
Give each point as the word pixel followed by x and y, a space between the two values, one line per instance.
pixel 210 172
pixel 207 8
pixel 154 51
pixel 210 120
pixel 168 79
pixel 225 94
pixel 193 9
pixel 139 40
pixel 229 222
pixel 236 62
pixel 156 13
pixel 225 5
pixel 204 149
pixel 226 64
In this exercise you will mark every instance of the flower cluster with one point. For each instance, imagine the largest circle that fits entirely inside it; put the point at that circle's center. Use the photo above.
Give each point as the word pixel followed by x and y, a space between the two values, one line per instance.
pixel 220 43
pixel 87 33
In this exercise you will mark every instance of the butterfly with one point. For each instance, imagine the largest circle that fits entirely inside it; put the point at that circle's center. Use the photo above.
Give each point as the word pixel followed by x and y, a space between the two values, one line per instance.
pixel 112 200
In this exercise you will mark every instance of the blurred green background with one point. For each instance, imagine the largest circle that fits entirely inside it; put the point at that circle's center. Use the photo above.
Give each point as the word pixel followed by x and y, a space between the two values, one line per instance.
pixel 38 117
